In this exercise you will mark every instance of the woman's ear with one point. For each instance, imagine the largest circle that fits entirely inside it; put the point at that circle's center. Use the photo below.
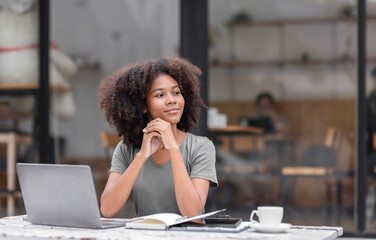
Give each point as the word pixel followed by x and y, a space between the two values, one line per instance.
pixel 145 110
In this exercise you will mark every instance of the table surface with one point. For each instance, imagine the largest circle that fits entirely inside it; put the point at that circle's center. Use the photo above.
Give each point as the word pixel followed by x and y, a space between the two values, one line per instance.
pixel 16 228
pixel 237 128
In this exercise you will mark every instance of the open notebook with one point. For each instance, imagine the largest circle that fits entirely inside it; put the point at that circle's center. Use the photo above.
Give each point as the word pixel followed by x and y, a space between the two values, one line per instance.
pixel 164 220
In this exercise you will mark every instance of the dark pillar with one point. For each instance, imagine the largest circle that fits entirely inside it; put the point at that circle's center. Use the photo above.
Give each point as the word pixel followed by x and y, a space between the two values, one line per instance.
pixel 362 121
pixel 193 46
pixel 43 99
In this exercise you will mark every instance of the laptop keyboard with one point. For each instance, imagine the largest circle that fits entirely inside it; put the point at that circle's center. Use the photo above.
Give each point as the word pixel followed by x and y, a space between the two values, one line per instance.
pixel 111 223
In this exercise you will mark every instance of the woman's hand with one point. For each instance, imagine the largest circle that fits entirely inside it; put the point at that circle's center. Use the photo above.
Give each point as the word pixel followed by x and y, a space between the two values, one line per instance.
pixel 150 143
pixel 164 130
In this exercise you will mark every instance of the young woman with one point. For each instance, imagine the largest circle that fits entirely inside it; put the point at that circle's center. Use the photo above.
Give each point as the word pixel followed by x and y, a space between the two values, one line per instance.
pixel 153 105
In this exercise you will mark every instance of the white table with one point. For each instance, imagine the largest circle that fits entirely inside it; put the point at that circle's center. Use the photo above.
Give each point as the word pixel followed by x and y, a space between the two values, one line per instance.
pixel 16 228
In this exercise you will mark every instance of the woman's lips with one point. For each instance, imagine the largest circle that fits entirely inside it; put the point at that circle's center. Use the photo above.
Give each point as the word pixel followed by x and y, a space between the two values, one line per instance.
pixel 172 111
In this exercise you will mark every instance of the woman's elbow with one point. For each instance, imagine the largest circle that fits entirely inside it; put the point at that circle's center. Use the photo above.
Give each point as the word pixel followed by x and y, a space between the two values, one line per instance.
pixel 105 209
pixel 107 213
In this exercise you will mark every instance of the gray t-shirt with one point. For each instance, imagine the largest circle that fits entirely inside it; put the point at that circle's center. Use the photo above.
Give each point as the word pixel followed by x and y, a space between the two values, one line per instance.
pixel 153 190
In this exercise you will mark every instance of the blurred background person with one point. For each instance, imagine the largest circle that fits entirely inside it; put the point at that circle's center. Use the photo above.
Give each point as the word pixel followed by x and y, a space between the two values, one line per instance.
pixel 266 107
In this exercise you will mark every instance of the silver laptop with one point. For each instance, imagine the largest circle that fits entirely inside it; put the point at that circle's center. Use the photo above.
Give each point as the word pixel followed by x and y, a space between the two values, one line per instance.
pixel 61 195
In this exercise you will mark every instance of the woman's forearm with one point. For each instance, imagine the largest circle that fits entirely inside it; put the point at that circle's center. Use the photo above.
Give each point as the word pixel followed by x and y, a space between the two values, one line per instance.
pixel 188 199
pixel 117 193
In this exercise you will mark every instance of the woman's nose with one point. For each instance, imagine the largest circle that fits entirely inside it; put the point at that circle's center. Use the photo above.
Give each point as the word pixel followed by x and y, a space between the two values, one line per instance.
pixel 171 99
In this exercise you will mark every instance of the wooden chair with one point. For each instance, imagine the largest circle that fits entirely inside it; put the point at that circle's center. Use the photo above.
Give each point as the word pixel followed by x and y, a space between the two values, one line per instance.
pixel 109 142
pixel 12 140
pixel 318 161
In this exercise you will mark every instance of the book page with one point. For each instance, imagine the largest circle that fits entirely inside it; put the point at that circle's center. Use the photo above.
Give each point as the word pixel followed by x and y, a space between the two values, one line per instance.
pixel 147 224
pixel 164 218
pixel 197 217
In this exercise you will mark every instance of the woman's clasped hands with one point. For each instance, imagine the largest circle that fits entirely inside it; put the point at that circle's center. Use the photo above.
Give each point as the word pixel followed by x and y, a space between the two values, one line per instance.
pixel 157 134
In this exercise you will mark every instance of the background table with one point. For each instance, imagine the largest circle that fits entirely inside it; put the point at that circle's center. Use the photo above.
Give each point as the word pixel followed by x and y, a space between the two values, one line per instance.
pixel 16 228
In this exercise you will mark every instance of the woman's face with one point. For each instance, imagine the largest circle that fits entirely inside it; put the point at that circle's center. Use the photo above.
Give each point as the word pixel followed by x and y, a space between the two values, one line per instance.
pixel 164 100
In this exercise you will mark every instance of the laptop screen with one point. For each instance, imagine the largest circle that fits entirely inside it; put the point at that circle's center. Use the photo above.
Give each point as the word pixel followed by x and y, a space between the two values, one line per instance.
pixel 62 195
pixel 263 122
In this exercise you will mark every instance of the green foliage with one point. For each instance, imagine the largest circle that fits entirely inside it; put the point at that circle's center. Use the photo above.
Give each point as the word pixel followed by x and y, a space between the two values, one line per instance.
pixel 238 18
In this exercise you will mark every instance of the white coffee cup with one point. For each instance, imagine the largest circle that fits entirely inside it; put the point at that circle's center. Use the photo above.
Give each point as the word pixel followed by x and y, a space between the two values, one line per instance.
pixel 268 215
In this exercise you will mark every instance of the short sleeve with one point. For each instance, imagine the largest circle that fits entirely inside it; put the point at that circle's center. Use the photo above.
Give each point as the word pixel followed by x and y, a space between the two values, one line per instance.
pixel 203 162
pixel 120 158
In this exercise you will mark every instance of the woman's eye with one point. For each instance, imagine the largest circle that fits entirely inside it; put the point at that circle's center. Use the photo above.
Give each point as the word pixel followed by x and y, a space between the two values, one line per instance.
pixel 159 95
pixel 176 93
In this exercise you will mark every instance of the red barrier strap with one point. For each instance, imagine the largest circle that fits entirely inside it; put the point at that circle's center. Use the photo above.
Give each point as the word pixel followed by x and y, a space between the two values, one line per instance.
pixel 34 45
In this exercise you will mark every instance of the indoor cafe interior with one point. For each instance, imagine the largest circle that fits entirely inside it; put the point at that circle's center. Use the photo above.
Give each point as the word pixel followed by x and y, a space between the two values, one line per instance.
pixel 290 87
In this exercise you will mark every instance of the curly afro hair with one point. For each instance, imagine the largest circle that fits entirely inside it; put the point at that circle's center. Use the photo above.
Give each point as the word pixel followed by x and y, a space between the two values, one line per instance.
pixel 123 93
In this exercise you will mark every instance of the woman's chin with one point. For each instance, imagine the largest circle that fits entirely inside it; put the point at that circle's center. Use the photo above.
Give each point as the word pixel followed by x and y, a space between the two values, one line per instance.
pixel 172 121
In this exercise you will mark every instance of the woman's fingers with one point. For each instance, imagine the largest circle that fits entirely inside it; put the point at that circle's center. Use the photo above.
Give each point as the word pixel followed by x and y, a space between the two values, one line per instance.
pixel 150 135
pixel 164 130
pixel 154 128
pixel 157 129
pixel 150 143
pixel 157 122
pixel 157 125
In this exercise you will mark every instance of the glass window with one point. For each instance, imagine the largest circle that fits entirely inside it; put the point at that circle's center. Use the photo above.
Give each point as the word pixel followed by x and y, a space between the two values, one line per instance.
pixel 371 122
pixel 287 69
pixel 19 76
pixel 89 40
pixel 101 37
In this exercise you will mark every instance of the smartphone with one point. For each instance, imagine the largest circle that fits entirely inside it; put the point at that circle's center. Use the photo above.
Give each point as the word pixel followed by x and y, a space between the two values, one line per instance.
pixel 223 222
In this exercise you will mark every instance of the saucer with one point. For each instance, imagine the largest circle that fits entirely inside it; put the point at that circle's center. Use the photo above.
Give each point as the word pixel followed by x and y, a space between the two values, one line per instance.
pixel 270 229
